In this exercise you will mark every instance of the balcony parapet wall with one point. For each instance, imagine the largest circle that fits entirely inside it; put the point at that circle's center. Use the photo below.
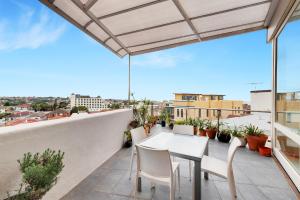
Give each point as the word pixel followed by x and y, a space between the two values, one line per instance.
pixel 88 141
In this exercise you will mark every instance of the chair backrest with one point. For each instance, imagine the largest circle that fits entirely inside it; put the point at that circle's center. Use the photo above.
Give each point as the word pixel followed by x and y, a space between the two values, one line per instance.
pixel 138 135
pixel 236 142
pixel 154 162
pixel 183 129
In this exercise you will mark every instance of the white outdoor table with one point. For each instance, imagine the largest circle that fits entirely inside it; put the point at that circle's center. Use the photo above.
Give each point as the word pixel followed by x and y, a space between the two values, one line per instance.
pixel 184 146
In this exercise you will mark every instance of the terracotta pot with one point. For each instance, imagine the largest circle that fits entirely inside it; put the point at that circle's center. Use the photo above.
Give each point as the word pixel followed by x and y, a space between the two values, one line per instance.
pixel 195 130
pixel 202 133
pixel 211 133
pixel 147 129
pixel 225 138
pixel 134 124
pixel 265 151
pixel 254 142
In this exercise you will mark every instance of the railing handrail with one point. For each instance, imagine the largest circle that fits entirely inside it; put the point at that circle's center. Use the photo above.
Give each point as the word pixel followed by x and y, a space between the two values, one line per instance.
pixel 226 109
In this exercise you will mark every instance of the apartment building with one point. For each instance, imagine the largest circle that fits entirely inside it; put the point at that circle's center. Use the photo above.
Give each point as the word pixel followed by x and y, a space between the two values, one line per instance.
pixel 93 104
pixel 187 105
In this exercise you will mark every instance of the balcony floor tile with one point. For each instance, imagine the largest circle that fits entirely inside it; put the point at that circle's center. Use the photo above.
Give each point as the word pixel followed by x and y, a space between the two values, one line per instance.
pixel 256 177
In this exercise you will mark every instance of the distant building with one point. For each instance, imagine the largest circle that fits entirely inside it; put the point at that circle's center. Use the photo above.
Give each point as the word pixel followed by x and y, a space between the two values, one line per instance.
pixel 187 105
pixel 59 113
pixel 261 100
pixel 22 107
pixel 93 104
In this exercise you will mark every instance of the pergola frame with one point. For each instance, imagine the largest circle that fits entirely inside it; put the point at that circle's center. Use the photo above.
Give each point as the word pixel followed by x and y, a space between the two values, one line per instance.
pixel 171 42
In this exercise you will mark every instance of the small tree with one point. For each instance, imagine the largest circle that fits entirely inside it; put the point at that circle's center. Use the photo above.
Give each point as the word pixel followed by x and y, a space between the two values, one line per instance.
pixel 39 174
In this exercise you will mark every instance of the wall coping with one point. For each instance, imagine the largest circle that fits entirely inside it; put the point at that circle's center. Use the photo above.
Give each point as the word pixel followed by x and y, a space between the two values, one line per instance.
pixel 9 130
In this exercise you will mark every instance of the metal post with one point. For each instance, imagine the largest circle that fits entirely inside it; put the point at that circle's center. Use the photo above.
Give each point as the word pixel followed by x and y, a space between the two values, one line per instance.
pixel 274 88
pixel 129 93
pixel 218 115
pixel 186 110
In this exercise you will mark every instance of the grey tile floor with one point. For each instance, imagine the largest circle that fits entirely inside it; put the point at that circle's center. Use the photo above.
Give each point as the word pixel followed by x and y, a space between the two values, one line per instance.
pixel 257 178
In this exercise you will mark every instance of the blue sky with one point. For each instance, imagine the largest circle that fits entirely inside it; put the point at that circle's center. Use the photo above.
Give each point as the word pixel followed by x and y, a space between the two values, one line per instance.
pixel 41 54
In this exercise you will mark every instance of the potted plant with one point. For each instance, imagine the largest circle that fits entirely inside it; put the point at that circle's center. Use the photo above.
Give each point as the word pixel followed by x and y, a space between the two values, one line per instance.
pixel 211 129
pixel 128 139
pixel 39 174
pixel 237 132
pixel 224 135
pixel 168 121
pixel 202 127
pixel 163 117
pixel 193 122
pixel 255 137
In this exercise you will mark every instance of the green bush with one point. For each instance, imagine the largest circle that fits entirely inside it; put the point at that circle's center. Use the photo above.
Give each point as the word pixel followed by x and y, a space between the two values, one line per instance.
pixel 39 174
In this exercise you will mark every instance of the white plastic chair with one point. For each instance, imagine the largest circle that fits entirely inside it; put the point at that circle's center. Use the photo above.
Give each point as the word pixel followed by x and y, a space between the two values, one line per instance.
pixel 185 130
pixel 156 166
pixel 137 135
pixel 221 168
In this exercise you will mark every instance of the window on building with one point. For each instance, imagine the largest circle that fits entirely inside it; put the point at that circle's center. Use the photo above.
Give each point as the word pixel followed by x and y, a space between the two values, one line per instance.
pixel 207 113
pixel 177 112
pixel 199 113
pixel 181 112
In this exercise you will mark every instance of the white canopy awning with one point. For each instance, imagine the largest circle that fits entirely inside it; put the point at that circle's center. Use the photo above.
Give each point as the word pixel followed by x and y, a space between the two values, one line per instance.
pixel 139 26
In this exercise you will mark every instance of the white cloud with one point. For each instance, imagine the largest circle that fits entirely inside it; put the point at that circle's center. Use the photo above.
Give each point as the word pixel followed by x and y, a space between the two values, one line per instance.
pixel 160 59
pixel 31 29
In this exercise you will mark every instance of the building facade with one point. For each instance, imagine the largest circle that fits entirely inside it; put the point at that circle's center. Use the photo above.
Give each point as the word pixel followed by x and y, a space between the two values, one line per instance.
pixel 93 104
pixel 261 100
pixel 202 106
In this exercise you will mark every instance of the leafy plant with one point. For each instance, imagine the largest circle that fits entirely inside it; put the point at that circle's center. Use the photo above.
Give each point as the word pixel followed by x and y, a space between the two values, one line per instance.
pixel 140 114
pixel 39 174
pixel 237 132
pixel 251 130
pixel 225 131
pixel 180 122
pixel 127 134
pixel 192 122
pixel 201 124
pixel 210 125
pixel 143 111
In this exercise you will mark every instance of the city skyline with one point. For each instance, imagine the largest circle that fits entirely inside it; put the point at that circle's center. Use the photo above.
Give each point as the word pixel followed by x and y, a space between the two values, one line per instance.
pixel 43 55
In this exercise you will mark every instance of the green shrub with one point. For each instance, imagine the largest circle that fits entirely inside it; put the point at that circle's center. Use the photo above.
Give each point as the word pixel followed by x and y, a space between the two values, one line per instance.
pixel 39 174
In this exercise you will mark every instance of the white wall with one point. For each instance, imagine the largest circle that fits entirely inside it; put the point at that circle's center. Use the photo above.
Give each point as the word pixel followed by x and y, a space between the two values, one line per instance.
pixel 261 101
pixel 87 141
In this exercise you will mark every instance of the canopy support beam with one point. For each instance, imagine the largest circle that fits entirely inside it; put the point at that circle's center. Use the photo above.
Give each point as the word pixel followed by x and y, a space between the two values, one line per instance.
pixel 89 4
pixel 186 17
pixel 100 24
pixel 129 71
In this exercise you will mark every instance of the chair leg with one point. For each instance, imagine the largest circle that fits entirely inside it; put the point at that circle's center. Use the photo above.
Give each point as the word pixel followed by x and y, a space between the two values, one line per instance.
pixel 190 170
pixel 178 174
pixel 232 187
pixel 172 191
pixel 131 163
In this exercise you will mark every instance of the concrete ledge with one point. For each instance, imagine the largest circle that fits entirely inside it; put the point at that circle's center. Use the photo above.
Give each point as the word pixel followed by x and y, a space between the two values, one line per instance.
pixel 88 141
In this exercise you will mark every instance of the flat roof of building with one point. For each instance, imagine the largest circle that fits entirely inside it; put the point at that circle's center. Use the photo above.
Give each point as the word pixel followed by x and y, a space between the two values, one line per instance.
pixel 260 91
pixel 200 94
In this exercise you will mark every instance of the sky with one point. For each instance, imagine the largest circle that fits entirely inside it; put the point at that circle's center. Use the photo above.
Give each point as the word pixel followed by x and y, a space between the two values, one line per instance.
pixel 41 54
